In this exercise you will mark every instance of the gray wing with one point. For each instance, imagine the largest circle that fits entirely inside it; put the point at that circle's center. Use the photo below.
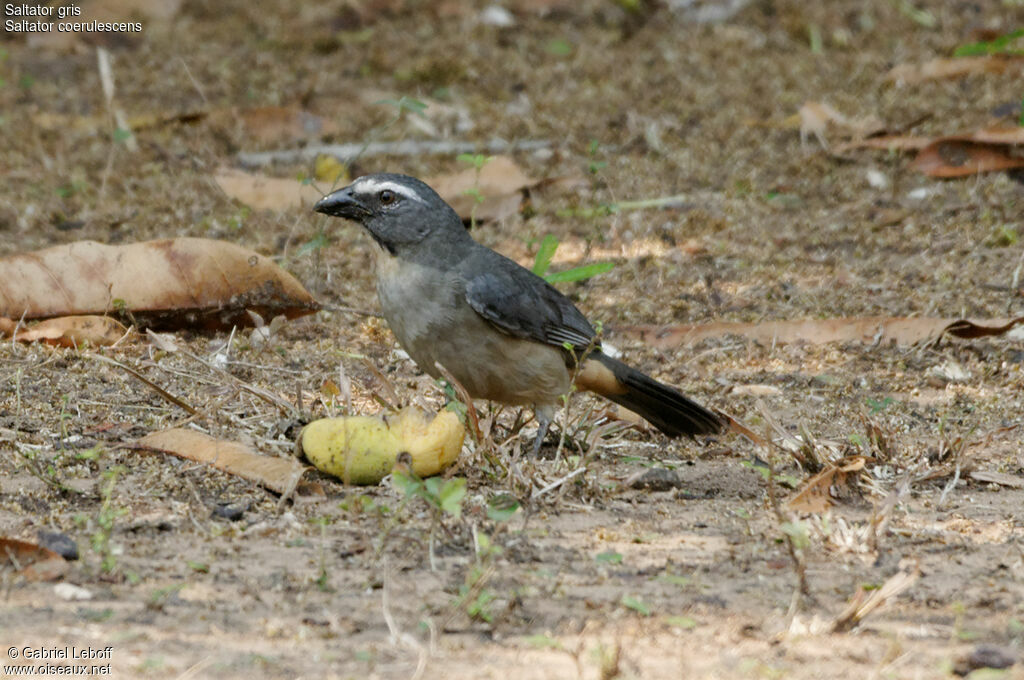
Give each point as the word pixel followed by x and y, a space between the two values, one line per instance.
pixel 518 302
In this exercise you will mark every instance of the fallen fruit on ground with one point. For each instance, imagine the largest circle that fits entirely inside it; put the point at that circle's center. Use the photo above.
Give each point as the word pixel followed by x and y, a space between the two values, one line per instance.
pixel 364 449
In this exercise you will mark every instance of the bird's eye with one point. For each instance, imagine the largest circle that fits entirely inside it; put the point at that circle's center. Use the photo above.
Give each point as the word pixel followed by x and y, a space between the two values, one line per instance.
pixel 387 197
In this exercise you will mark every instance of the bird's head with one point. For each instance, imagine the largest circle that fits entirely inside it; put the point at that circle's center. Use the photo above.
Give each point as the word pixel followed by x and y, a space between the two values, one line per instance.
pixel 397 210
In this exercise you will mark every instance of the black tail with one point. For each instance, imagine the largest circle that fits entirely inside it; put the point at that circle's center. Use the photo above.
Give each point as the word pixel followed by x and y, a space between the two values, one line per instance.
pixel 664 407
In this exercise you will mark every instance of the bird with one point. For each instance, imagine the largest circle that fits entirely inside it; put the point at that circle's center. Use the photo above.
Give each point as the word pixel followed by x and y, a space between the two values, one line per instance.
pixel 500 330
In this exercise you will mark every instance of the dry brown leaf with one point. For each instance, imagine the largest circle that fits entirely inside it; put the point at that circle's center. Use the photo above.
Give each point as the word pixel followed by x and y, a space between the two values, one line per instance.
pixel 816 494
pixel 174 283
pixel 274 124
pixel 872 329
pixel 500 183
pixel 1000 134
pixel 266 125
pixel 938 69
pixel 958 157
pixel 266 193
pixel 887 142
pixel 70 331
pixel 1000 478
pixel 280 475
pixel 63 122
pixel 33 562
pixel 863 603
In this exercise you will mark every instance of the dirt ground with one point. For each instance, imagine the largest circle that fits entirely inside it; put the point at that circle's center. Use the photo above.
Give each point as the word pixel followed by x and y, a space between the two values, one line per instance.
pixel 191 572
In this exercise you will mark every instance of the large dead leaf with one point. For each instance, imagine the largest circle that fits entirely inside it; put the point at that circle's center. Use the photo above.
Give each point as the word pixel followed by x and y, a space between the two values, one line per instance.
pixel 31 561
pixel 957 157
pixel 500 183
pixel 280 475
pixel 68 331
pixel 872 329
pixel 957 67
pixel 999 135
pixel 174 283
pixel 266 193
pixel 816 493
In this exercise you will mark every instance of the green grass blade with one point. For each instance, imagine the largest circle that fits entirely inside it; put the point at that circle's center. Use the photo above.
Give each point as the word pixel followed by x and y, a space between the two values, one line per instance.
pixel 580 273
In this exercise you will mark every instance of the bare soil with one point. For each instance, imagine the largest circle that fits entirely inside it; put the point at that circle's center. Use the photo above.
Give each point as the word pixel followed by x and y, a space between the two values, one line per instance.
pixel 591 578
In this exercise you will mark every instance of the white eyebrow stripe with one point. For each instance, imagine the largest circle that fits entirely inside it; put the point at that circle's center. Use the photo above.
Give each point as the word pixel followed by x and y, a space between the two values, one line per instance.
pixel 372 186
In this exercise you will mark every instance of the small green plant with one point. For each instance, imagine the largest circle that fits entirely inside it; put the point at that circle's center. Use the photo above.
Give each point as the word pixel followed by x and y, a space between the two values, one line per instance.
pixel 595 165
pixel 502 507
pixel 105 518
pixel 559 47
pixel 473 596
pixel 443 497
pixel 959 631
pixel 879 405
pixel 402 105
pixel 1009 44
pixel 69 190
pixel 543 641
pixel 674 579
pixel 546 252
pixel 814 39
pixel 921 17
pixel 477 161
pixel 798 533
pixel 322 579
pixel 1003 236
pixel 684 622
pixel 92 453
pixel 160 597
pixel 636 604
pixel 313 245
pixel 239 218
pixel 609 557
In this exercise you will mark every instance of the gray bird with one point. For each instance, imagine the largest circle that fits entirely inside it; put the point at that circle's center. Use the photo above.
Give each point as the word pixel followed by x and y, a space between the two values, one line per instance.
pixel 502 331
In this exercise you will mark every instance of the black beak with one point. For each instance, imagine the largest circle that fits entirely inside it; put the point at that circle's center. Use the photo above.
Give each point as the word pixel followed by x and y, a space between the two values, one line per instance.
pixel 342 203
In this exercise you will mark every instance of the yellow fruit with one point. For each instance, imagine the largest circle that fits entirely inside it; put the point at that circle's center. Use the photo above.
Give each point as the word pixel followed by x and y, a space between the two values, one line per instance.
pixel 363 449
pixel 328 169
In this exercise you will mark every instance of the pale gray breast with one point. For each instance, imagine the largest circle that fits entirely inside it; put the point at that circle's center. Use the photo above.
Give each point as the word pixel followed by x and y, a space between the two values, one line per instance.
pixel 419 303
pixel 429 314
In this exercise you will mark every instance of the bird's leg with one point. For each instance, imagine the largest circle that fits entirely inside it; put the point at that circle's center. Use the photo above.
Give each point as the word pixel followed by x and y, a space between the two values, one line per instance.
pixel 544 417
